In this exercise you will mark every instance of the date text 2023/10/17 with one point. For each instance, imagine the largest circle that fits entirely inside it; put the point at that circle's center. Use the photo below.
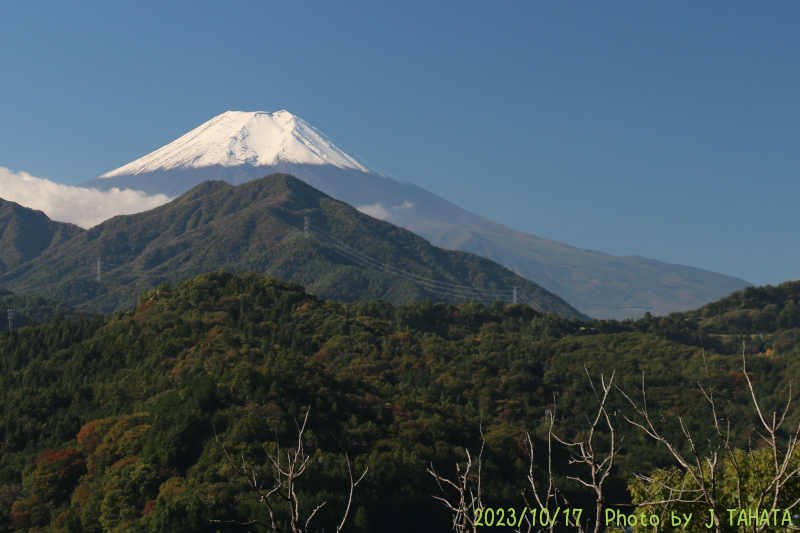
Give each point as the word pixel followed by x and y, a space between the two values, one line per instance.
pixel 512 517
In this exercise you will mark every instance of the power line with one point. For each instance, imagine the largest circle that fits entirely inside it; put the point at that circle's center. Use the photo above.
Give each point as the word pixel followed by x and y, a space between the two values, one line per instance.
pixel 450 289
pixel 33 288
pixel 369 264
pixel 385 267
pixel 101 268
pixel 98 268
pixel 530 303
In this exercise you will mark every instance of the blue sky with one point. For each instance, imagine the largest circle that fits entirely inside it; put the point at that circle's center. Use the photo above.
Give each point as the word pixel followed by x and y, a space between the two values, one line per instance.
pixel 664 129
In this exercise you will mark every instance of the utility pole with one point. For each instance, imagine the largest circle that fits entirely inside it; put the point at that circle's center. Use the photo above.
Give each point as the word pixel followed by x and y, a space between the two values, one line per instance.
pixel 305 227
pixel 98 271
pixel 515 296
pixel 10 319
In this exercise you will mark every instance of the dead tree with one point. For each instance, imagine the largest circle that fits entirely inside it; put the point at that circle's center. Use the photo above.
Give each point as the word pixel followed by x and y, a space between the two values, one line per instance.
pixel 586 453
pixel 698 478
pixel 548 498
pixel 285 467
pixel 763 480
pixel 465 497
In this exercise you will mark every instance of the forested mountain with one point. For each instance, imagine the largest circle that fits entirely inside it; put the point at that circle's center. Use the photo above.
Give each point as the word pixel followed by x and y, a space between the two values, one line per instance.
pixel 26 233
pixel 29 310
pixel 753 310
pixel 239 146
pixel 109 423
pixel 258 226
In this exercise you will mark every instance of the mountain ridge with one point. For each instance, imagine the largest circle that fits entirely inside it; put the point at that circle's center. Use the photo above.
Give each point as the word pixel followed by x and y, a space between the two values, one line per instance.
pixel 599 284
pixel 25 233
pixel 254 227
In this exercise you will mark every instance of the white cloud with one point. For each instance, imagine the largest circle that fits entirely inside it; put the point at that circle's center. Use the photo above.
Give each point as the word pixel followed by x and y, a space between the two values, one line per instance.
pixel 79 205
pixel 378 210
pixel 375 210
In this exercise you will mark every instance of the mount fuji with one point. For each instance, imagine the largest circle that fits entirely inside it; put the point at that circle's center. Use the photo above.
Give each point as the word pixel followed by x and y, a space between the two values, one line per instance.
pixel 241 146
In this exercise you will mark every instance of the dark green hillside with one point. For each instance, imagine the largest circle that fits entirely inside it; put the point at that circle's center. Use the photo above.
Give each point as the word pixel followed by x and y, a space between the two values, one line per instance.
pixel 760 319
pixel 754 310
pixel 26 233
pixel 254 227
pixel 108 423
pixel 29 310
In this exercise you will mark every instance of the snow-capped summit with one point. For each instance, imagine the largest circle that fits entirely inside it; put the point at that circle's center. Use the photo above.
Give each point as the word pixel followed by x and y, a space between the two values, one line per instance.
pixel 245 138
pixel 238 147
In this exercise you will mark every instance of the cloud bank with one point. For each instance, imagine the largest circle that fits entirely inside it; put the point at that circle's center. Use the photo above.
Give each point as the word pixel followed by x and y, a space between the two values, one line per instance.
pixel 380 211
pixel 78 205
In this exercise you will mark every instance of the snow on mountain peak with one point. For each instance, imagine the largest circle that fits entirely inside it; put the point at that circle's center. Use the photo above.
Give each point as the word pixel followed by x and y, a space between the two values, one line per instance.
pixel 238 138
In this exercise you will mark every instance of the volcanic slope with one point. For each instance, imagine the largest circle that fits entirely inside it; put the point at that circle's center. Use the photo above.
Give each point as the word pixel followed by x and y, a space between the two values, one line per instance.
pixel 259 226
pixel 239 146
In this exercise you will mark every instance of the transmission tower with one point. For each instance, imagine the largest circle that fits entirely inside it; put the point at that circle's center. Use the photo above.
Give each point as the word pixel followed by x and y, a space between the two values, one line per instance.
pixel 305 227
pixel 10 319
pixel 515 296
pixel 98 271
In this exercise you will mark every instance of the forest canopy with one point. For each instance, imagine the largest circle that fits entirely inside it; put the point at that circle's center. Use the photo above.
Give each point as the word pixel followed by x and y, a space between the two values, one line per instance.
pixel 109 422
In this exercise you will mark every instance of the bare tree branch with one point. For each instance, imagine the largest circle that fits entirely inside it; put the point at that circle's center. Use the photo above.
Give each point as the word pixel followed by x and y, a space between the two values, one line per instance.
pixel 586 453
pixel 705 471
pixel 286 466
pixel 466 499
